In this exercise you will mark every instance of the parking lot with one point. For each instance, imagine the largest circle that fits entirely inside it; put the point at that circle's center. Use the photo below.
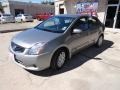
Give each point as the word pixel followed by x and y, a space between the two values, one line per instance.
pixel 91 69
pixel 8 27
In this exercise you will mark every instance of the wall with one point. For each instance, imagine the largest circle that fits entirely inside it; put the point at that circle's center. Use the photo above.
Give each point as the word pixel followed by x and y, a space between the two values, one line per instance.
pixel 102 9
pixel 6 7
pixel 57 4
pixel 29 8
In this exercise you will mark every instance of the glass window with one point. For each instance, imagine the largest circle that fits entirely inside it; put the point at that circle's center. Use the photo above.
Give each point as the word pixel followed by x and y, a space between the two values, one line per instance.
pixel 19 15
pixel 113 1
pixel 26 15
pixel 92 22
pixel 56 24
pixel 6 15
pixel 82 24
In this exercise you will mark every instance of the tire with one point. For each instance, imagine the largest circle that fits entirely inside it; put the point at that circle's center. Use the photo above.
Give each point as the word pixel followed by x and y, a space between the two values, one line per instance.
pixel 22 21
pixel 58 59
pixel 99 41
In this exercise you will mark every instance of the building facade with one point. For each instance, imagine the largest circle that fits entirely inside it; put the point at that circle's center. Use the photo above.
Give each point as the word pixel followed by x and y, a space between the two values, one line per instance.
pixel 16 7
pixel 108 10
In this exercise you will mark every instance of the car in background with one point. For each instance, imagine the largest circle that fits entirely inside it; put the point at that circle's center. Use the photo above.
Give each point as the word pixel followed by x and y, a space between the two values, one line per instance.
pixel 55 40
pixel 24 18
pixel 43 16
pixel 7 18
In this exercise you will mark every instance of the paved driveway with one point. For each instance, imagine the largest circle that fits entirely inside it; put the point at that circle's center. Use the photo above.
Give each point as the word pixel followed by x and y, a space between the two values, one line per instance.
pixel 17 26
pixel 92 69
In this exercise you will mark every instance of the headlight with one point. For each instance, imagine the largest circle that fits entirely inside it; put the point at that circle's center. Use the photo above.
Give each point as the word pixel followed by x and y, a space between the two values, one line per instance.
pixel 35 50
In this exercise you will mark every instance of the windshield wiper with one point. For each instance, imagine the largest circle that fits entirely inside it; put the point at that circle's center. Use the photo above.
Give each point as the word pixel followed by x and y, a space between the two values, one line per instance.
pixel 43 29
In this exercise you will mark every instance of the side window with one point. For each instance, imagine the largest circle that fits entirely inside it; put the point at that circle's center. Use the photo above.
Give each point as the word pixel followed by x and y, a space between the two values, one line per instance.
pixel 19 15
pixel 82 24
pixel 92 22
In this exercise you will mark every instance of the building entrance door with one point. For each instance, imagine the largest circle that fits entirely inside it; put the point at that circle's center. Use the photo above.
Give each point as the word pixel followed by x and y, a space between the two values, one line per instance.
pixel 113 14
pixel 110 17
pixel 118 19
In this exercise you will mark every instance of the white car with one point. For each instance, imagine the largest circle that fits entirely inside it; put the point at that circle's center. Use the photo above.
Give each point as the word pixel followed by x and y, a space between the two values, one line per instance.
pixel 7 18
pixel 23 18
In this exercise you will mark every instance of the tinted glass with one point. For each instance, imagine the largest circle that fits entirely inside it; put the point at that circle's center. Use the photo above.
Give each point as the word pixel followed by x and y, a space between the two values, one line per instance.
pixel 19 15
pixel 56 24
pixel 6 15
pixel 113 1
pixel 92 22
pixel 82 24
pixel 26 15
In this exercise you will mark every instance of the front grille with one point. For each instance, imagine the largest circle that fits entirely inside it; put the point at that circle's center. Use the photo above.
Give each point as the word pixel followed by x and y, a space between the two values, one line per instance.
pixel 17 48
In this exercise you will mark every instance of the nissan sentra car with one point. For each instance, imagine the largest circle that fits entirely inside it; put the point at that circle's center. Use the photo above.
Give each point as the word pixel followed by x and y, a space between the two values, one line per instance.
pixel 55 40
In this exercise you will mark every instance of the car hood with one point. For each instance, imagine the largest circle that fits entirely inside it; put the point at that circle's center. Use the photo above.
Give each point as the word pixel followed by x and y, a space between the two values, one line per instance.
pixel 30 37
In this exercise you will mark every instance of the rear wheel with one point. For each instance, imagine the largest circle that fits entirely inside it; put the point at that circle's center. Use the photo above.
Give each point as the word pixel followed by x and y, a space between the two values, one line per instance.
pixel 22 21
pixel 59 59
pixel 100 41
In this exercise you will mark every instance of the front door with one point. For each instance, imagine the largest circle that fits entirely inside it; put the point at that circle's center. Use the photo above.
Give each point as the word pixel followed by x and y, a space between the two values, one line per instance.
pixel 78 41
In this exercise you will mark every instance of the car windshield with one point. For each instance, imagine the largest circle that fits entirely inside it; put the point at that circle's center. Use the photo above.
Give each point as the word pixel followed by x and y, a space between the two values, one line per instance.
pixel 56 24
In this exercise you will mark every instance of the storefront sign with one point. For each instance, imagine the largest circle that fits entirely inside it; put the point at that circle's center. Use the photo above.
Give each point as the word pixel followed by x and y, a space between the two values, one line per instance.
pixel 87 7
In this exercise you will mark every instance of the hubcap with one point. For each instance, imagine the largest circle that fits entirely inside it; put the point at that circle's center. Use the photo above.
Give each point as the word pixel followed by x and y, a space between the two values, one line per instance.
pixel 100 41
pixel 61 59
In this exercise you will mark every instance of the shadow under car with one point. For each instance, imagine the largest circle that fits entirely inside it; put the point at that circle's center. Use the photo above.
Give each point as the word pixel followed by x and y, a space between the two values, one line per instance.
pixel 77 60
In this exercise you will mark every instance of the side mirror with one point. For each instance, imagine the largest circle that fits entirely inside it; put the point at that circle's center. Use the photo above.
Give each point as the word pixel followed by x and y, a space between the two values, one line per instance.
pixel 77 31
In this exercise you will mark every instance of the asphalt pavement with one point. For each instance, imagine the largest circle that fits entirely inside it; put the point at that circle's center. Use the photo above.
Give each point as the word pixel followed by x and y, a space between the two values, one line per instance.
pixel 91 69
pixel 13 27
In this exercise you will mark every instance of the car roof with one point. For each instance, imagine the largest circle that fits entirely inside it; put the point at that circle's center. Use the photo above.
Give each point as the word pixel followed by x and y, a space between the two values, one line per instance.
pixel 74 15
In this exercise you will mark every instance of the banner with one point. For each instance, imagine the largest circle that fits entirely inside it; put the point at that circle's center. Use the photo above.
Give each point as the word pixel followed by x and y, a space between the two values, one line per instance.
pixel 87 7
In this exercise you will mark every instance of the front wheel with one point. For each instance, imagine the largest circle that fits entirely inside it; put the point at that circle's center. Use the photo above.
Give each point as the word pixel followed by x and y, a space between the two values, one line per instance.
pixel 99 42
pixel 58 59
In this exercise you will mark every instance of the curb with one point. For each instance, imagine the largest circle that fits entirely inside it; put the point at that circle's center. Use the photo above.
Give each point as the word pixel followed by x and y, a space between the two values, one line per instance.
pixel 15 30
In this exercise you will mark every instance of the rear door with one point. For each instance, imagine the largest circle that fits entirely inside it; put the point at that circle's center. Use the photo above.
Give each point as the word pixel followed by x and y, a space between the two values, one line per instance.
pixel 93 29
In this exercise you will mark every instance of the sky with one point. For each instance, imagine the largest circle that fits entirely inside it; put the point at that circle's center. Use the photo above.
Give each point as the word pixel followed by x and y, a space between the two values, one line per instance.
pixel 35 1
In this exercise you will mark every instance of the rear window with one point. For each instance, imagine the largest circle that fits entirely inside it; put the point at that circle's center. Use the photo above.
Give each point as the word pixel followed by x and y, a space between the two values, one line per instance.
pixel 19 15
pixel 26 15
pixel 6 15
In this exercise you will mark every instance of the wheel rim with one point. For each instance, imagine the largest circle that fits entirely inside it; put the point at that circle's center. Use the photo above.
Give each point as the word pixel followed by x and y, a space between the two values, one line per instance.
pixel 61 59
pixel 100 41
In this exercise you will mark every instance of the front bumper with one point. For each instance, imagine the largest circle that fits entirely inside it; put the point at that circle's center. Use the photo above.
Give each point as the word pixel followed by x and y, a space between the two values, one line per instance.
pixel 32 62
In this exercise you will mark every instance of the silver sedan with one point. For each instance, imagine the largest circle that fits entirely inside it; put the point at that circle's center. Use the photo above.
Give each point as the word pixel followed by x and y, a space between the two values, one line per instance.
pixel 6 18
pixel 55 40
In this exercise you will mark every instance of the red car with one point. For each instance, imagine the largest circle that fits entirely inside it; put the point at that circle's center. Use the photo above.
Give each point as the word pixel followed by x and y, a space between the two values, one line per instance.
pixel 43 16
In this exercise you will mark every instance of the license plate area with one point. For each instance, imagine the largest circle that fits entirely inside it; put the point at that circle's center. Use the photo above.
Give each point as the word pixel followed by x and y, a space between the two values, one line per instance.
pixel 18 61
